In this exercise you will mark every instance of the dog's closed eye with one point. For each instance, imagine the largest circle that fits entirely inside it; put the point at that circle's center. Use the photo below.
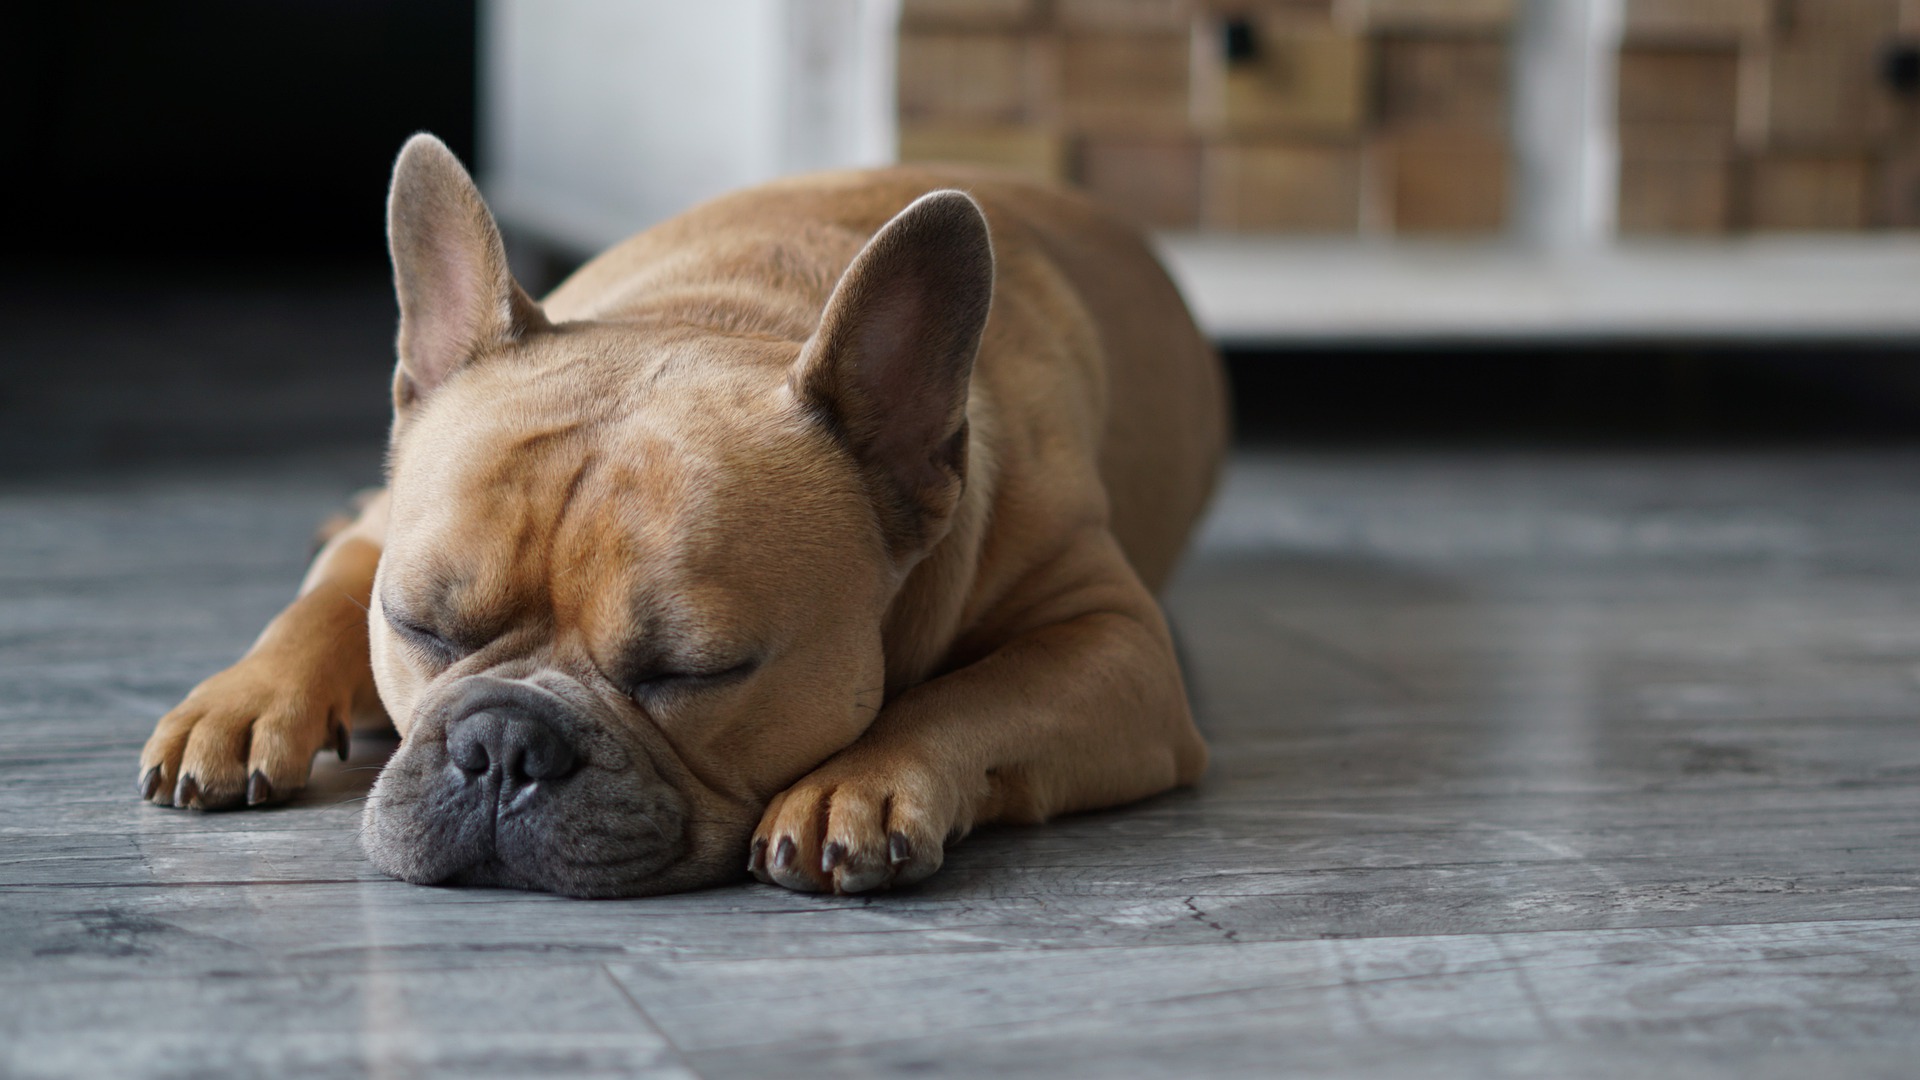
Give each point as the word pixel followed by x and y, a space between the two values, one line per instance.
pixel 429 645
pixel 664 686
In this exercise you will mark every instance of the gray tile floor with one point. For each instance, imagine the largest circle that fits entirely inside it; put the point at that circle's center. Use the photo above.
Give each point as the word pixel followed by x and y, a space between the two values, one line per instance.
pixel 1526 766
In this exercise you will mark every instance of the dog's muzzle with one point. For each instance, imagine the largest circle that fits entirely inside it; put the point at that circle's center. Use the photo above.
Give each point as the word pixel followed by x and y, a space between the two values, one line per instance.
pixel 508 782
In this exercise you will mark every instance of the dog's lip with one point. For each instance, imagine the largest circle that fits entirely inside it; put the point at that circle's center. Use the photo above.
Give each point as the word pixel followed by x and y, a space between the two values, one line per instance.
pixel 614 874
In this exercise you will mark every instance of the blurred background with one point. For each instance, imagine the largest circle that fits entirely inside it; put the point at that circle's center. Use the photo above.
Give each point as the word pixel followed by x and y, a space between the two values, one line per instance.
pixel 1406 221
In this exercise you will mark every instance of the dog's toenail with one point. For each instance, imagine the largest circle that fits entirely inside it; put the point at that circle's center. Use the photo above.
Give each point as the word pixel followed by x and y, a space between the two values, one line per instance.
pixel 835 854
pixel 898 849
pixel 784 853
pixel 186 792
pixel 757 859
pixel 259 788
pixel 150 783
pixel 342 740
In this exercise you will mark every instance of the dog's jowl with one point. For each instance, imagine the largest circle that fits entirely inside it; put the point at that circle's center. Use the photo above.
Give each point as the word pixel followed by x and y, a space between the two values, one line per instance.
pixel 795 536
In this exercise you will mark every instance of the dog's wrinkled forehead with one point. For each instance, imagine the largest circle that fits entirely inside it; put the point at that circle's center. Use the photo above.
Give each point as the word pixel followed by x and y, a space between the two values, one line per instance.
pixel 504 501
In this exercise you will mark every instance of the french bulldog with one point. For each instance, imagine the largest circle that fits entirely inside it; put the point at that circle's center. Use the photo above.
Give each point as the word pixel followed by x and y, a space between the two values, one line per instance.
pixel 795 536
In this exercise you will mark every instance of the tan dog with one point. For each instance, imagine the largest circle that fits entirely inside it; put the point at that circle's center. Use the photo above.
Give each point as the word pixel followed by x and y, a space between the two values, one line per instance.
pixel 803 532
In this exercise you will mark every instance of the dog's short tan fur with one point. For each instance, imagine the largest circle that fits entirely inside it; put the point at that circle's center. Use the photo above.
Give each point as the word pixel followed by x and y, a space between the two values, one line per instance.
pixel 814 570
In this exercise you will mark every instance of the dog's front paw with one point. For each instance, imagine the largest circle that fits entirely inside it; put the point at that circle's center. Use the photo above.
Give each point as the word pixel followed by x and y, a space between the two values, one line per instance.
pixel 246 736
pixel 853 826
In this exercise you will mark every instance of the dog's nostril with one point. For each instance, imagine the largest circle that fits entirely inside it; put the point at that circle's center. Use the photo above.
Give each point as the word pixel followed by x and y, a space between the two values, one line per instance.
pixel 518 747
pixel 543 755
pixel 474 743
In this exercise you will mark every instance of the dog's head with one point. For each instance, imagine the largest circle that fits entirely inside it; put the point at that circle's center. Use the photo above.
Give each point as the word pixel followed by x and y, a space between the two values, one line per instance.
pixel 635 574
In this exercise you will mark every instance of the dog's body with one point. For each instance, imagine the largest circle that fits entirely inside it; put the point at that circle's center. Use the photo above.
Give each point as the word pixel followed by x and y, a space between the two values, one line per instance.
pixel 731 552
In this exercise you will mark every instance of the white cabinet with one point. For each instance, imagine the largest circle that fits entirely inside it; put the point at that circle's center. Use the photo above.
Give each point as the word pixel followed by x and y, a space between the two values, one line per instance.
pixel 600 117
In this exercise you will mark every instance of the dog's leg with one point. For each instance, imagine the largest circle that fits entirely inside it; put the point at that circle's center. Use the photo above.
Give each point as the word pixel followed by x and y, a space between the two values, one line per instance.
pixel 1084 709
pixel 248 735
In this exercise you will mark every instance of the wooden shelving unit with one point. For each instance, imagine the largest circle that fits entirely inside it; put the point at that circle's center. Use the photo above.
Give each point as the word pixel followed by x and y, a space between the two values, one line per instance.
pixel 603 117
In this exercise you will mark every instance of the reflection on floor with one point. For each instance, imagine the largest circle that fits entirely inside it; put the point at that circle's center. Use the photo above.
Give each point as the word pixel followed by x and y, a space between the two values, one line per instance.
pixel 1592 765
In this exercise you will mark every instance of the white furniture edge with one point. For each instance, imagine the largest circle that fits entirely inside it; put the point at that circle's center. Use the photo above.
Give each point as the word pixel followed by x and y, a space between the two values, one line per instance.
pixel 1252 291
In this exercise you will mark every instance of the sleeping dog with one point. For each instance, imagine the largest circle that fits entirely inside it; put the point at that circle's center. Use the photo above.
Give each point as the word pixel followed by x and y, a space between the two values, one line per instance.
pixel 799 534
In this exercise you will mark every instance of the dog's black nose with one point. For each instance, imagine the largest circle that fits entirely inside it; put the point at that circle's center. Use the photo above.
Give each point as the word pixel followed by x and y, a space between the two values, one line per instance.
pixel 512 744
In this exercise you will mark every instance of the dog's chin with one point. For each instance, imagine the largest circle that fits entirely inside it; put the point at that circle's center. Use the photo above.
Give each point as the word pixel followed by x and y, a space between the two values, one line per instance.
pixel 681 875
pixel 582 883
pixel 492 873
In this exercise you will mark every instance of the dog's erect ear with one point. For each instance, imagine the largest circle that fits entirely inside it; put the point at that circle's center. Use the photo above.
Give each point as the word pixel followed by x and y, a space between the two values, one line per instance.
pixel 889 366
pixel 457 297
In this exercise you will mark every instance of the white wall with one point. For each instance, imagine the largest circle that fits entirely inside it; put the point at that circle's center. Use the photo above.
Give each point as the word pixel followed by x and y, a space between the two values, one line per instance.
pixel 600 117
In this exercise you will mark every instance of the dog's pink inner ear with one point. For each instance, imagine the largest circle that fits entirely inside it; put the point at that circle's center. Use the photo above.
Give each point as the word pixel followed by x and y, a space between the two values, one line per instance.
pixel 457 297
pixel 892 358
